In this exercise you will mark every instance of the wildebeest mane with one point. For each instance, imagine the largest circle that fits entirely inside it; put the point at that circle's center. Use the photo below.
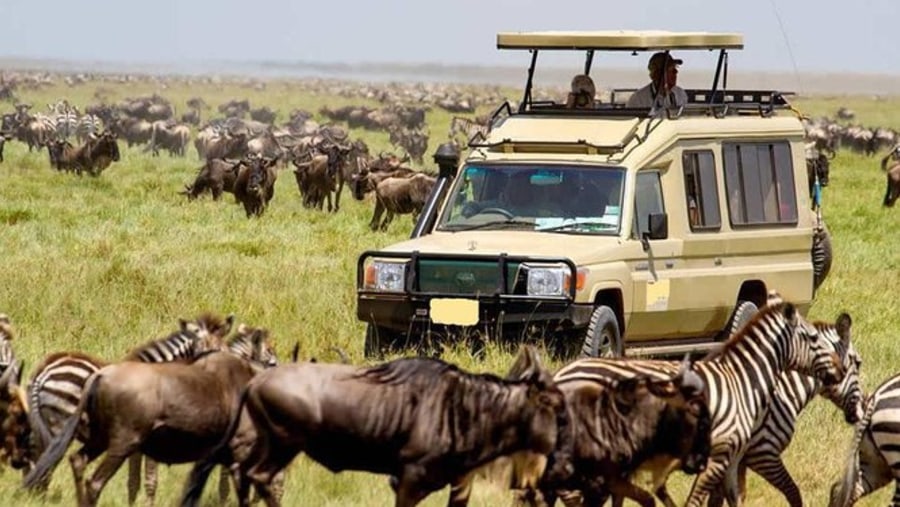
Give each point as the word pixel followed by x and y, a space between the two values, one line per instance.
pixel 401 371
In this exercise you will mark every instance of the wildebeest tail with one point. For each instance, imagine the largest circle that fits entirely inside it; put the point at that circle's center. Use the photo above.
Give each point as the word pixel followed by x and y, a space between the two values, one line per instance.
pixel 843 490
pixel 40 431
pixel 57 448
pixel 193 491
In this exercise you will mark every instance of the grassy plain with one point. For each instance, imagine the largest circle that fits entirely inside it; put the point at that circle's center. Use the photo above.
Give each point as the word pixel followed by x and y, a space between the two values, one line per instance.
pixel 103 264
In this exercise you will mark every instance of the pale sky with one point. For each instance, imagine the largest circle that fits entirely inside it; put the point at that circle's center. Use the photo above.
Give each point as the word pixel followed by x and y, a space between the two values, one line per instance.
pixel 821 35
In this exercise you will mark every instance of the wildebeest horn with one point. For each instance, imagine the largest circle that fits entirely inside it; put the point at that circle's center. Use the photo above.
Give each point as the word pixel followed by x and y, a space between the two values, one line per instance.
pixel 295 352
pixel 690 380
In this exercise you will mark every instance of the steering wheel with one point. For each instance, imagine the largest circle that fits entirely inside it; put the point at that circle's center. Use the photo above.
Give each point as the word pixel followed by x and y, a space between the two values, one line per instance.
pixel 499 211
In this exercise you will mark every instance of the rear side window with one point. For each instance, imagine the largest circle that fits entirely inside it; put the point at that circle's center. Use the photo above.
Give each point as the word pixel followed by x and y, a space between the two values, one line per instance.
pixel 701 190
pixel 759 180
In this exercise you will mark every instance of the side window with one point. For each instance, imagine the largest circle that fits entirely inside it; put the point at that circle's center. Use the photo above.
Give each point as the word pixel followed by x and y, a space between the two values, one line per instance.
pixel 647 199
pixel 701 190
pixel 759 180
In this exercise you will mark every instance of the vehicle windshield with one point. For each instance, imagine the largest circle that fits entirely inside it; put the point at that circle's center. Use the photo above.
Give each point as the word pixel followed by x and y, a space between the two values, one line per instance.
pixel 551 198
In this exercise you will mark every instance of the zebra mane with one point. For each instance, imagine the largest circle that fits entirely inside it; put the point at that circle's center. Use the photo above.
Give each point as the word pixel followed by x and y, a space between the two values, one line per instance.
pixel 180 344
pixel 785 310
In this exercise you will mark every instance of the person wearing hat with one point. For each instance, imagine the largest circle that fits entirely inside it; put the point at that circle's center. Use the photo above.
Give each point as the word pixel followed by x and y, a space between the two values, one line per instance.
pixel 582 94
pixel 662 90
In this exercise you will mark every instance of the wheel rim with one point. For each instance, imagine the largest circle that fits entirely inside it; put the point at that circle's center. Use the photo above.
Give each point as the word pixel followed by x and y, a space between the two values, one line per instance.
pixel 604 345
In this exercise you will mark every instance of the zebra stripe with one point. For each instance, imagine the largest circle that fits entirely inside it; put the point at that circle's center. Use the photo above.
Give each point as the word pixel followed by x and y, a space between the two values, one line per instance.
pixel 253 344
pixel 875 453
pixel 741 379
pixel 7 355
pixel 792 394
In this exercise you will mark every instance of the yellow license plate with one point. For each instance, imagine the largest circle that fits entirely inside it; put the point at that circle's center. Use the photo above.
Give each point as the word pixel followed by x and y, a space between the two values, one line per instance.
pixel 456 312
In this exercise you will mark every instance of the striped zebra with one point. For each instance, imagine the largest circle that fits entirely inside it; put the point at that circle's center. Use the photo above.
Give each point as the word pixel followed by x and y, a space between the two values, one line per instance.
pixel 741 377
pixel 792 394
pixel 7 356
pixel 66 124
pixel 874 460
pixel 89 125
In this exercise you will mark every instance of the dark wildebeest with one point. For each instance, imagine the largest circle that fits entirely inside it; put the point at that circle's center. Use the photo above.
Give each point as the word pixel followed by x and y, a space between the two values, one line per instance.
pixel 216 176
pixel 893 175
pixel 424 422
pixel 255 184
pixel 3 138
pixel 15 447
pixel 817 167
pixel 615 428
pixel 95 155
pixel 172 412
pixel 226 145
pixel 171 137
pixel 315 181
pixel 398 196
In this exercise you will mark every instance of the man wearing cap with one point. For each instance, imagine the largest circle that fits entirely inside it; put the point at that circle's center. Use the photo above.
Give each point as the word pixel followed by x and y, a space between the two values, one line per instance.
pixel 662 90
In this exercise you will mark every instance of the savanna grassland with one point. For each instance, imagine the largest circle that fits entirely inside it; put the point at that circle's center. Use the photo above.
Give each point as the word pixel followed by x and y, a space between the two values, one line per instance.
pixel 103 264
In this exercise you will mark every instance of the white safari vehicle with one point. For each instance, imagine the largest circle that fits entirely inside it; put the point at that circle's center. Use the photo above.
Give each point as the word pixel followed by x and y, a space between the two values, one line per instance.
pixel 605 229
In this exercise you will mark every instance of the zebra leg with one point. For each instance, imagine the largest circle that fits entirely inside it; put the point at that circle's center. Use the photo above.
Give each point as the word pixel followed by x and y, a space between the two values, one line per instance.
pixel 772 469
pixel 150 480
pixel 134 477
pixel 708 480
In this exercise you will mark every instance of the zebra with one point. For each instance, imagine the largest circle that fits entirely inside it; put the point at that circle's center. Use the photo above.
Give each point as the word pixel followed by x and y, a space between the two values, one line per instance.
pixel 89 125
pixel 7 356
pixel 873 459
pixel 56 385
pixel 793 392
pixel 66 125
pixel 741 377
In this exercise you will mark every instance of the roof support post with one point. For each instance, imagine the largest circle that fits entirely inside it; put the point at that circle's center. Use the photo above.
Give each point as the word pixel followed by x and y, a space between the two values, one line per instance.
pixel 526 99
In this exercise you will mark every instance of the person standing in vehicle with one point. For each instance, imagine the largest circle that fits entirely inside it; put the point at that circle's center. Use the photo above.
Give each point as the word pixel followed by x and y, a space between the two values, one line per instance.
pixel 663 90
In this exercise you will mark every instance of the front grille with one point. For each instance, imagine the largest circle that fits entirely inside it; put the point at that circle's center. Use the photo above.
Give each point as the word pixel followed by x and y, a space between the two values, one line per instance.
pixel 473 277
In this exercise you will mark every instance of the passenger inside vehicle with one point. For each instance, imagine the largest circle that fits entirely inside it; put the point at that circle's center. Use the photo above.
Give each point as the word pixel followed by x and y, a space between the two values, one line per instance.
pixel 582 93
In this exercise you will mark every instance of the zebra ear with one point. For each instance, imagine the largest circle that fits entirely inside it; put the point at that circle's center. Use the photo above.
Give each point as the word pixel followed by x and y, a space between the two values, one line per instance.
pixel 790 313
pixel 229 323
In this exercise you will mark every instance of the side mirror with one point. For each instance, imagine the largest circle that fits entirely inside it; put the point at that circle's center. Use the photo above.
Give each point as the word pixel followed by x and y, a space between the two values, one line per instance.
pixel 657 228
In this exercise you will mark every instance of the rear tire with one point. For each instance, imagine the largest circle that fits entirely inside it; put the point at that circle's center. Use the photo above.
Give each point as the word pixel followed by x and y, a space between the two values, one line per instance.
pixel 603 338
pixel 742 314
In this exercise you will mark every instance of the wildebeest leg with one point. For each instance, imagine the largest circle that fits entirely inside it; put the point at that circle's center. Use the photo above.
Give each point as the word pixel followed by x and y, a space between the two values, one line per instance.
pixel 623 488
pixel 107 468
pixel 388 217
pixel 134 477
pixel 79 462
pixel 460 490
pixel 409 490
pixel 224 486
pixel 150 479
pixel 376 216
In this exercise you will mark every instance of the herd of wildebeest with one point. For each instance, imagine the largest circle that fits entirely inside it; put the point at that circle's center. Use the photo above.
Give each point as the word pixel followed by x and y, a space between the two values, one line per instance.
pixel 212 393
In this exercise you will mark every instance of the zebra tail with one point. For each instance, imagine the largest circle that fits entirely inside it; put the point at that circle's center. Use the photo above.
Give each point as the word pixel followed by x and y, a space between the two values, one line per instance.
pixel 193 491
pixel 843 491
pixel 58 446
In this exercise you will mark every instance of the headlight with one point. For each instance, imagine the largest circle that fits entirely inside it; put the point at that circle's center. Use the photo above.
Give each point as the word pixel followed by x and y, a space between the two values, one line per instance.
pixel 547 281
pixel 386 276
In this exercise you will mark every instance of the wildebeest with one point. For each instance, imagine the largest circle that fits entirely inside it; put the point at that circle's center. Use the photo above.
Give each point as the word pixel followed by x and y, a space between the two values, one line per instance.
pixel 172 137
pixel 424 422
pixel 95 155
pixel 172 412
pixel 398 196
pixel 615 428
pixel 255 184
pixel 215 176
pixel 314 181
pixel 891 165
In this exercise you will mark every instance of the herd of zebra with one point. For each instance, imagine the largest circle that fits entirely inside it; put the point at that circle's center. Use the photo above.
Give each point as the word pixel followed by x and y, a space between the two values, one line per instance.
pixel 737 411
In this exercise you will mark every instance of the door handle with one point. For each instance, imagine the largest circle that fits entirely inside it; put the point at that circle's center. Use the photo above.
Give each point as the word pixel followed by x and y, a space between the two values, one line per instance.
pixel 670 264
pixel 717 261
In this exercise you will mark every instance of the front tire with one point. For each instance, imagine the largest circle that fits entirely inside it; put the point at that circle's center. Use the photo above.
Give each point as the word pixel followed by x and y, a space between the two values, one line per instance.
pixel 742 314
pixel 603 338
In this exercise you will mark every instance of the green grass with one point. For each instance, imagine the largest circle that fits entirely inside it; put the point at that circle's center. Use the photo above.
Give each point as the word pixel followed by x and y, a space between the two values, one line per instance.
pixel 104 264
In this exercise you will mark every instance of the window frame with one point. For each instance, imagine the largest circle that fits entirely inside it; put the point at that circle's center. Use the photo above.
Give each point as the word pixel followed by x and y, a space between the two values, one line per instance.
pixel 638 227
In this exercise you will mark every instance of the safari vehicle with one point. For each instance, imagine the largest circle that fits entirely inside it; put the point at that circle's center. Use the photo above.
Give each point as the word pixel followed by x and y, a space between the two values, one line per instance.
pixel 610 230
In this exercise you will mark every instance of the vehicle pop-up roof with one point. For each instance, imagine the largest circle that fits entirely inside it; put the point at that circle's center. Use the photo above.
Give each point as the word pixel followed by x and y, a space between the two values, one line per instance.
pixel 535 42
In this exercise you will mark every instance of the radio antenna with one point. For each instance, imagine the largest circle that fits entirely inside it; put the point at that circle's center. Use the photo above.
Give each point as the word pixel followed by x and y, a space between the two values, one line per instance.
pixel 787 43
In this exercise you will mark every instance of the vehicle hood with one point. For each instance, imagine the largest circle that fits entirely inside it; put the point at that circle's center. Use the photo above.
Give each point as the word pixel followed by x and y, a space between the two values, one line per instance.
pixel 572 246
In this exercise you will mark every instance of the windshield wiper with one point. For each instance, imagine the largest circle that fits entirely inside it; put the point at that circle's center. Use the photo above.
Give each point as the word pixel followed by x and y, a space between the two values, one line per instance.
pixel 576 225
pixel 492 223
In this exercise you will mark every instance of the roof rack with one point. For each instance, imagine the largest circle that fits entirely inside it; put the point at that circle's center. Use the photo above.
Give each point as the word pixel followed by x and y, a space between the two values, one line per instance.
pixel 619 40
